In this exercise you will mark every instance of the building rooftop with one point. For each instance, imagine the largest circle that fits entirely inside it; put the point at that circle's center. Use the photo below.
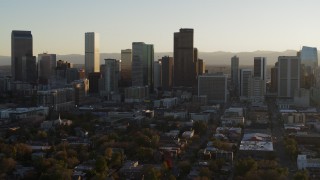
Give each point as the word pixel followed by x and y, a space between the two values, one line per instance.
pixel 256 146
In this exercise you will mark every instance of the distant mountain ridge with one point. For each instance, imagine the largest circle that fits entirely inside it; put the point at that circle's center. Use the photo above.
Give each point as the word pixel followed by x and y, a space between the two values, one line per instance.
pixel 210 58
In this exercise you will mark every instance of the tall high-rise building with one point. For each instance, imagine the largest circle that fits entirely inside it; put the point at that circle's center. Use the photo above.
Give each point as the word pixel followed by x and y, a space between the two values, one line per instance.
pixel 61 69
pixel 29 69
pixel 167 72
pixel 142 64
pixel 259 69
pixel 92 52
pixel 309 63
pixel 235 72
pixel 201 67
pixel 72 74
pixel 185 63
pixel 21 52
pixel 274 79
pixel 111 75
pixel 214 86
pixel 245 76
pixel 157 77
pixel 309 57
pixel 288 76
pixel 94 82
pixel 126 65
pixel 256 89
pixel 47 64
pixel 258 80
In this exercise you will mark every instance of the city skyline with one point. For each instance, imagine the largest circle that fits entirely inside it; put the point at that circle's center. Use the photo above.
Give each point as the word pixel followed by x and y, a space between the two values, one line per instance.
pixel 220 26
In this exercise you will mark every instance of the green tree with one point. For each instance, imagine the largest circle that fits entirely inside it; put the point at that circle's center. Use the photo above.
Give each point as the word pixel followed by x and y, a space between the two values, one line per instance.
pixel 57 171
pixel 205 172
pixel 185 167
pixel 151 173
pixel 291 147
pixel 101 164
pixel 301 175
pixel 23 152
pixel 7 165
pixel 200 127
pixel 245 165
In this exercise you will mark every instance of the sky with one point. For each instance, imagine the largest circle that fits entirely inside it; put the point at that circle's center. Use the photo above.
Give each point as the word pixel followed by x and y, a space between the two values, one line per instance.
pixel 58 26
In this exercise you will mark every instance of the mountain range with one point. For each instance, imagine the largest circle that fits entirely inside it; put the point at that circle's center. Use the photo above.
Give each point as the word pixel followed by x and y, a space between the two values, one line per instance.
pixel 210 58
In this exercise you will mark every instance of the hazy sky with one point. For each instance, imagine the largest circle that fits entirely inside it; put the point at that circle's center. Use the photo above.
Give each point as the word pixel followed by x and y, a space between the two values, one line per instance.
pixel 58 26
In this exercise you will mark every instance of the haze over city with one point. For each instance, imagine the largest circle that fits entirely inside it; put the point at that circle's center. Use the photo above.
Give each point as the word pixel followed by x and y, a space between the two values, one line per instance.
pixel 233 26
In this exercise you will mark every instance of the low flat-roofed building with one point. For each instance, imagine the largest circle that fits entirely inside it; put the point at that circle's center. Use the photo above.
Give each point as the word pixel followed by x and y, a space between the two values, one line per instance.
pixel 233 111
pixel 115 114
pixel 188 134
pixel 21 113
pixel 294 118
pixel 303 162
pixel 232 121
pixel 256 145
pixel 166 103
pixel 307 138
pixel 176 115
pixel 131 170
pixel 204 117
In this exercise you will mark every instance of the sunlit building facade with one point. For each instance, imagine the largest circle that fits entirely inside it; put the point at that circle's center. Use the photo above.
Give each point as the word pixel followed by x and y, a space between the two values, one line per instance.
pixel 92 52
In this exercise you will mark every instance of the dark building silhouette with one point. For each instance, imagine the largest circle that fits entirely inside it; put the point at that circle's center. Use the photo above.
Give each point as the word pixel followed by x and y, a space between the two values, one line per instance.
pixel 29 69
pixel 185 59
pixel 72 74
pixel 274 79
pixel 22 57
pixel 142 64
pixel 259 67
pixel 46 67
pixel 61 69
pixel 94 79
pixel 167 72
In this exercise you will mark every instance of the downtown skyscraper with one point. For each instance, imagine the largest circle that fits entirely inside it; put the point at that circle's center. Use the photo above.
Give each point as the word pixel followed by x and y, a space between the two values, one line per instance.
pixel 185 59
pixel 288 76
pixel 142 64
pixel 258 80
pixel 23 63
pixel 309 65
pixel 167 72
pixel 111 75
pixel 47 64
pixel 235 72
pixel 126 65
pixel 92 52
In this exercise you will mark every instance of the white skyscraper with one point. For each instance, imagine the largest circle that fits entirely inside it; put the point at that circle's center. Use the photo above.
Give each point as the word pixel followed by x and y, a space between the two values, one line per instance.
pixel 92 52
